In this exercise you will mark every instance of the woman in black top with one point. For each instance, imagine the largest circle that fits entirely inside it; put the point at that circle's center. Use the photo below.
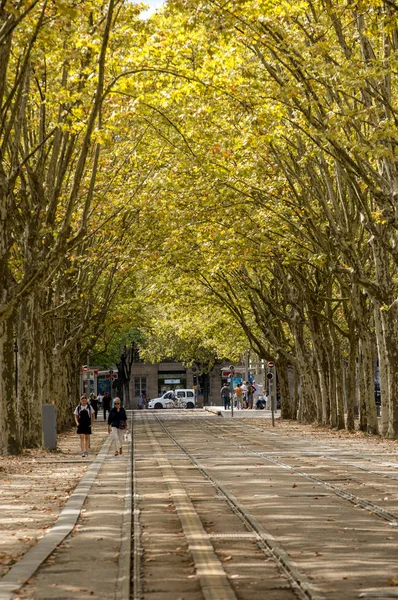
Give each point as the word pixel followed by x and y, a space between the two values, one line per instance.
pixel 117 425
pixel 84 418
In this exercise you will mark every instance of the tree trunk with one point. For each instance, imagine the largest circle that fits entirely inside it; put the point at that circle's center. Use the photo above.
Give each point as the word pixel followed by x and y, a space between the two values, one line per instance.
pixel 10 442
pixel 388 347
pixel 29 397
pixel 318 344
pixel 337 380
pixel 383 369
pixel 366 384
pixel 390 331
pixel 332 392
pixel 339 369
pixel 296 392
pixel 309 406
pixel 287 408
pixel 350 380
pixel 65 386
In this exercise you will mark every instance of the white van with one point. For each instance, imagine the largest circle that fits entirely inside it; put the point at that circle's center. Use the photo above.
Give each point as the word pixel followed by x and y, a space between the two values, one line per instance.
pixel 186 397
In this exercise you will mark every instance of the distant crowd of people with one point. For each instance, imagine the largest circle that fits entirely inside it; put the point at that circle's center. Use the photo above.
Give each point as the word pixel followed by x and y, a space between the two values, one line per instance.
pixel 242 396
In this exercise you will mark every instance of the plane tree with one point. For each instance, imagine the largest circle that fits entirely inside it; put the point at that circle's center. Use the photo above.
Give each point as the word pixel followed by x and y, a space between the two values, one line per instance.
pixel 327 80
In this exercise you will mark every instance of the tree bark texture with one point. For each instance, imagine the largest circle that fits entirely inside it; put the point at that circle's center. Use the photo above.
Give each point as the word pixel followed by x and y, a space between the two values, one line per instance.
pixel 29 397
pixel 10 441
pixel 390 330
pixel 309 404
pixel 287 408
pixel 383 369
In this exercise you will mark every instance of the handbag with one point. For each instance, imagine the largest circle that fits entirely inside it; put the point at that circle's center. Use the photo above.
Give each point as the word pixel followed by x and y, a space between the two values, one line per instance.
pixel 122 424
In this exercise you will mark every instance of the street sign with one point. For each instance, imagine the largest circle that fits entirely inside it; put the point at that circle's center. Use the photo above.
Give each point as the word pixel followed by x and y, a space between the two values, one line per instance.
pixel 270 364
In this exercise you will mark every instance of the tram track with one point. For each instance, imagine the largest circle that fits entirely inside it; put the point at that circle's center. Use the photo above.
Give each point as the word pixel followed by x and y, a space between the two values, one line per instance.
pixel 371 507
pixel 323 453
pixel 296 526
pixel 193 529
pixel 136 548
pixel 212 577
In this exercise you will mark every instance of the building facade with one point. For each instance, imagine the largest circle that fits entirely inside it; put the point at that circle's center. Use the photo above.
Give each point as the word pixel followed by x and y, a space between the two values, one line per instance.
pixel 156 379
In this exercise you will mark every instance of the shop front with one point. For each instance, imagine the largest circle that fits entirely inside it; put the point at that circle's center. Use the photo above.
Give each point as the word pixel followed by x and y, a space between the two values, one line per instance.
pixel 171 380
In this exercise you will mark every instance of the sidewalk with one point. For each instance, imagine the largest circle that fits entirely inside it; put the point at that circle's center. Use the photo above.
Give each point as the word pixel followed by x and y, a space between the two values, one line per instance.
pixel 61 541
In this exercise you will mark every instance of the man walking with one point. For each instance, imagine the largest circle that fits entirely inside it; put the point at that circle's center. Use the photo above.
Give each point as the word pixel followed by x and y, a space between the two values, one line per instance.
pixel 106 404
pixel 225 397
pixel 238 394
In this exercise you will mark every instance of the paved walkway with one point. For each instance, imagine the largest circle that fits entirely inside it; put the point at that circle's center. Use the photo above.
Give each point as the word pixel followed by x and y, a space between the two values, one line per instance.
pixel 86 554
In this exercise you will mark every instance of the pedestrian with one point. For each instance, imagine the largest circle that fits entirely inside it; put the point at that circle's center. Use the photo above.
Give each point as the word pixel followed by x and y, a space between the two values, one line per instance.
pixel 250 393
pixel 225 396
pixel 238 393
pixel 117 425
pixel 94 404
pixel 100 398
pixel 84 418
pixel 106 404
pixel 260 404
pixel 244 394
pixel 141 404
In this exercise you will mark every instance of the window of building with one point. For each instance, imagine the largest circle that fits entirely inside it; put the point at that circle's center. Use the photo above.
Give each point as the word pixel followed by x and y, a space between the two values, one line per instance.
pixel 171 381
pixel 139 386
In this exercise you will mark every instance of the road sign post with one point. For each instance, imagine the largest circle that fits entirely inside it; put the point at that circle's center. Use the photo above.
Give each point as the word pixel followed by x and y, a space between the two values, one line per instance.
pixel 272 388
pixel 232 371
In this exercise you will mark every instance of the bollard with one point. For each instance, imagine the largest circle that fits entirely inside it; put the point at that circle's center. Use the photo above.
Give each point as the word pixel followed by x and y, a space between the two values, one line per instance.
pixel 49 426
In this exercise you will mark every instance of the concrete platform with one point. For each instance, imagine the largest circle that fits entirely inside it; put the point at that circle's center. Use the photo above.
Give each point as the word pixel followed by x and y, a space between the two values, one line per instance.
pixel 243 413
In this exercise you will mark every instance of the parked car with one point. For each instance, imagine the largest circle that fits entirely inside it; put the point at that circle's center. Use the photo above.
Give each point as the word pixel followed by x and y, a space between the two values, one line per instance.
pixel 173 398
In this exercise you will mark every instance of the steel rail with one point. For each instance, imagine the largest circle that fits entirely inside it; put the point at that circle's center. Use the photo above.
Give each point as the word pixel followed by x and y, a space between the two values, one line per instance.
pixel 123 585
pixel 212 577
pixel 137 548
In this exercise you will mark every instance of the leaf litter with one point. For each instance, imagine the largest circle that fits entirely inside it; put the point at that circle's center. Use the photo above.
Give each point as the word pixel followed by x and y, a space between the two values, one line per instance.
pixel 33 490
